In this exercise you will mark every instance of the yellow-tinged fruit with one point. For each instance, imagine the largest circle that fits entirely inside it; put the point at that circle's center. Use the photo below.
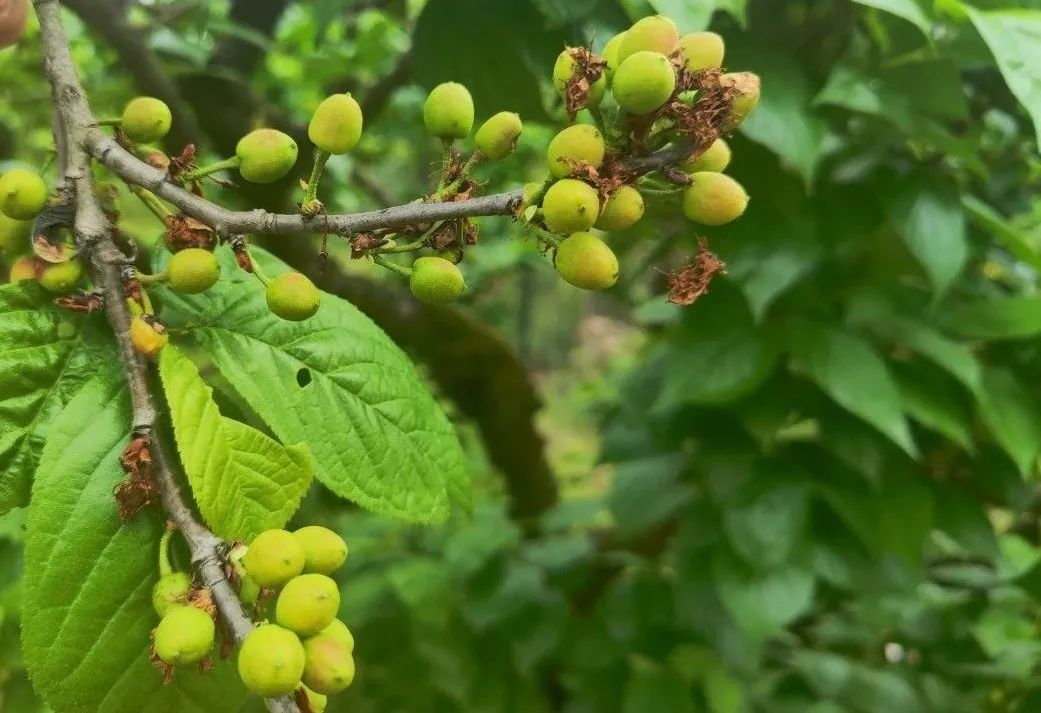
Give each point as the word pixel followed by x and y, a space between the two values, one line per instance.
pixel 324 550
pixel 745 87
pixel 497 137
pixel 146 340
pixel 570 205
pixel 644 81
pixel 702 50
pixel 610 54
pixel 330 666
pixel 307 604
pixel 61 277
pixel 14 234
pixel 435 280
pixel 171 590
pixel 580 143
pixel 271 661
pixel 293 296
pixel 265 155
pixel 23 268
pixel 623 209
pixel 339 631
pixel 315 700
pixel 585 261
pixel 448 112
pixel 23 194
pixel 565 68
pixel 656 33
pixel 184 636
pixel 193 270
pixel 273 558
pixel 146 119
pixel 336 124
pixel 716 158
pixel 714 199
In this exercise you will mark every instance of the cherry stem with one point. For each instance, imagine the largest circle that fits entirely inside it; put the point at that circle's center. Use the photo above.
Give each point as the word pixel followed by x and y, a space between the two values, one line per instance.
pixel 195 175
pixel 165 568
pixel 392 266
pixel 152 202
pixel 311 194
pixel 146 279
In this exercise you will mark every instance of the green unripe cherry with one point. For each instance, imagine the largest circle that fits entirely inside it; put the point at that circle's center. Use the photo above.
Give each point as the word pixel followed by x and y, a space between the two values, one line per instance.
pixel 449 111
pixel 580 143
pixel 570 205
pixel 61 277
pixel 193 270
pixel 644 81
pixel 497 137
pixel 184 636
pixel 651 34
pixel 585 261
pixel 702 50
pixel 14 234
pixel 171 590
pixel 330 667
pixel 23 194
pixel 336 124
pixel 745 88
pixel 271 661
pixel 610 55
pixel 715 159
pixel 435 280
pixel 307 604
pixel 146 119
pixel 339 631
pixel 293 296
pixel 23 268
pixel 565 68
pixel 623 209
pixel 324 550
pixel 265 155
pixel 273 558
pixel 315 700
pixel 714 199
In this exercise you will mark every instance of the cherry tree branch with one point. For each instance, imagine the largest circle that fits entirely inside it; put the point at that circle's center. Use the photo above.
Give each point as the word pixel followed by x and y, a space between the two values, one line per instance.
pixel 74 122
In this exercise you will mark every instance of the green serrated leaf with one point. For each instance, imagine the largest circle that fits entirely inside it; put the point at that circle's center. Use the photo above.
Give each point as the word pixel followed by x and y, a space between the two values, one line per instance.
pixel 243 481
pixel 87 611
pixel 337 383
pixel 47 356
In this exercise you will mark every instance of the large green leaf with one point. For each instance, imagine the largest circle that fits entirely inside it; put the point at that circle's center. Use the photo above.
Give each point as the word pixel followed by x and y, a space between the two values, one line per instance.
pixel 850 372
pixel 337 383
pixel 244 482
pixel 928 215
pixel 693 16
pixel 1012 416
pixel 88 578
pixel 997 318
pixel 1014 37
pixel 762 601
pixel 46 355
pixel 769 523
pixel 907 9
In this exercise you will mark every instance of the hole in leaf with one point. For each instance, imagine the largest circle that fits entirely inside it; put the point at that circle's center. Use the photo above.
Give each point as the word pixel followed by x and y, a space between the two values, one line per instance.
pixel 303 377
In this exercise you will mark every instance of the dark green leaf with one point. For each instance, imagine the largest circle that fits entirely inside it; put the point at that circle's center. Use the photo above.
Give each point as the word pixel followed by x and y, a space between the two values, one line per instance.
pixel 762 602
pixel 907 9
pixel 1012 417
pixel 647 491
pixel 694 16
pixel 928 215
pixel 767 526
pixel 997 318
pixel 651 689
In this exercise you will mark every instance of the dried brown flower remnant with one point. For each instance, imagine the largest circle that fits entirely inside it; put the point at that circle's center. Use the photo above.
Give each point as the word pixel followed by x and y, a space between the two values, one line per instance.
pixel 184 231
pixel 137 490
pixel 691 282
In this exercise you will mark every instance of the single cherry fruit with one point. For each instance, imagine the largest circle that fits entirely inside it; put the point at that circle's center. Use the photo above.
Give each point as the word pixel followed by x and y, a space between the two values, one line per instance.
pixel 570 205
pixel 171 590
pixel 193 270
pixel 651 34
pixel 146 119
pixel 715 159
pixel 644 81
pixel 271 661
pixel 449 111
pixel 339 631
pixel 265 155
pixel 23 268
pixel 61 277
pixel 292 296
pixel 585 261
pixel 316 701
pixel 324 550
pixel 497 137
pixel 336 124
pixel 14 234
pixel 565 68
pixel 14 15
pixel 714 199
pixel 307 604
pixel 623 209
pixel 273 558
pixel 147 340
pixel 435 280
pixel 745 87
pixel 702 50
pixel 330 666
pixel 610 54
pixel 575 145
pixel 184 636
pixel 23 194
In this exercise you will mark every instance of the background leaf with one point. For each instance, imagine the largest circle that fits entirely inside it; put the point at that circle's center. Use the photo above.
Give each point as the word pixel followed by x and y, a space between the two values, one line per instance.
pixel 928 215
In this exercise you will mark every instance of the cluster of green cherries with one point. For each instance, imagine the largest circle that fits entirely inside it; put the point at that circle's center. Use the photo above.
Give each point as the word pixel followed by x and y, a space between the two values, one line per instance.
pixel 299 646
